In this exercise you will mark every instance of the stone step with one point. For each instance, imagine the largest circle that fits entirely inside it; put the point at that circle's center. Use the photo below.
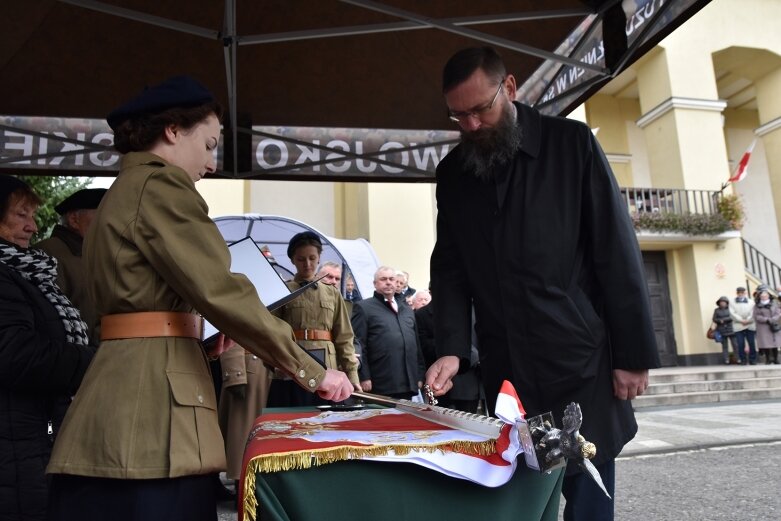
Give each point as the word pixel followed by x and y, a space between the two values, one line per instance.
pixel 687 398
pixel 699 374
pixel 714 385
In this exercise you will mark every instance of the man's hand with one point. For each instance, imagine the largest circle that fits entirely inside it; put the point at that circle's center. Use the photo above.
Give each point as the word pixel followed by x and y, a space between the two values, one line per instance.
pixel 440 375
pixel 628 385
pixel 335 386
pixel 366 386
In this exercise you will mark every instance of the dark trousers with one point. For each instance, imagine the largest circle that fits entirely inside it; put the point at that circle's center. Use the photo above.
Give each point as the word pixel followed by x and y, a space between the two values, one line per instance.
pixel 287 393
pixel 741 339
pixel 725 342
pixel 585 500
pixel 80 498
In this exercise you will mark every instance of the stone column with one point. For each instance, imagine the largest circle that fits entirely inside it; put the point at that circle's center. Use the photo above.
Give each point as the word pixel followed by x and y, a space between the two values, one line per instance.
pixel 769 109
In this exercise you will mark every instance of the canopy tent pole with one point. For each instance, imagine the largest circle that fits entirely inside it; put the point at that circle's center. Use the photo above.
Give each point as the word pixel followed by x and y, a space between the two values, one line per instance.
pixel 357 30
pixel 229 39
pixel 475 35
pixel 145 18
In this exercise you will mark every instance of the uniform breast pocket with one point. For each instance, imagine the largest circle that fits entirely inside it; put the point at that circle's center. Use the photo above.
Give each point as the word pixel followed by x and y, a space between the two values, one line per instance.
pixel 327 310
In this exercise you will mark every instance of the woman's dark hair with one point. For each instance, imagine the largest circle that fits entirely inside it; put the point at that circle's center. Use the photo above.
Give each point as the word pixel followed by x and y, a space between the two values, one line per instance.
pixel 11 187
pixel 466 61
pixel 140 133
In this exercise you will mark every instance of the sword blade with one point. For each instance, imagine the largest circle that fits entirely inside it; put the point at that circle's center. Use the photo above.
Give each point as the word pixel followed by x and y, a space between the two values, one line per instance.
pixel 463 421
pixel 593 473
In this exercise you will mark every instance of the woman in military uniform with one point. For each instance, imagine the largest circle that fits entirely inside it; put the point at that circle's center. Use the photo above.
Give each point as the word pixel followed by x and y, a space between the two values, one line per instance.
pixel 319 320
pixel 141 439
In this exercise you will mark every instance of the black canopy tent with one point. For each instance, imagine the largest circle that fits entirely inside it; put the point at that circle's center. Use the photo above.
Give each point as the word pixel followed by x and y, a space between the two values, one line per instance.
pixel 309 63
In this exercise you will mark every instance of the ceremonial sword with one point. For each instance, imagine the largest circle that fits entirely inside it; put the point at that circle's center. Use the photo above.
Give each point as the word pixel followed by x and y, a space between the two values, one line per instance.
pixel 545 447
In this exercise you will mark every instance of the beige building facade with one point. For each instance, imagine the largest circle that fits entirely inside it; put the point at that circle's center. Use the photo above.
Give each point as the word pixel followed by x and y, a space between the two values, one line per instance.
pixel 673 127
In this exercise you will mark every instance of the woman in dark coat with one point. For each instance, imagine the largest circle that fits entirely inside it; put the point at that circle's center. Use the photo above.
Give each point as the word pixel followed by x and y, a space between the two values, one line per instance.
pixel 43 356
pixel 723 320
pixel 767 314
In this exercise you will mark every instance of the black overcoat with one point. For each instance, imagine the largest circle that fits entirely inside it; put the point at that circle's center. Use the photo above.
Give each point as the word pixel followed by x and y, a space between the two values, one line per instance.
pixel 390 356
pixel 548 254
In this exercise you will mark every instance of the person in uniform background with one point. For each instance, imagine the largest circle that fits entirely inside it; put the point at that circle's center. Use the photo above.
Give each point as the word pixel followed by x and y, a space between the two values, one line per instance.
pixel 141 440
pixel 44 354
pixel 244 393
pixel 65 244
pixel 319 320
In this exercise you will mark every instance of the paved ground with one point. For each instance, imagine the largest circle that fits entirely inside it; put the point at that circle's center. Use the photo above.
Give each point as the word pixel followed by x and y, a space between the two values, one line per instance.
pixel 712 462
pixel 697 427
pixel 726 483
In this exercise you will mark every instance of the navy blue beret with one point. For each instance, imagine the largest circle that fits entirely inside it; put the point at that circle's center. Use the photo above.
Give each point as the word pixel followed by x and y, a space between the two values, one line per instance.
pixel 87 199
pixel 179 91
pixel 302 238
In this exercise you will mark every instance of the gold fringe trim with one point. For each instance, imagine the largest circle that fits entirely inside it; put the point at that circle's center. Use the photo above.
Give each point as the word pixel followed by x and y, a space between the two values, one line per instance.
pixel 282 461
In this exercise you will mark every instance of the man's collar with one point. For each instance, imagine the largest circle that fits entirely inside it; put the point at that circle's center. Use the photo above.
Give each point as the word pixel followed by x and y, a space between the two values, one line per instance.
pixel 381 297
pixel 70 238
pixel 530 121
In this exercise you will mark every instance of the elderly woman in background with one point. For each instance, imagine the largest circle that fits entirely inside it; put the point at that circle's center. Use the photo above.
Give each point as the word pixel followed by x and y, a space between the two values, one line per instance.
pixel 43 356
pixel 319 320
pixel 767 315
pixel 141 440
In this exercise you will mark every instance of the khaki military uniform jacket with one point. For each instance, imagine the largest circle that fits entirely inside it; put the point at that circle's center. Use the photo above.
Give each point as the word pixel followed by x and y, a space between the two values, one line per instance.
pixel 66 246
pixel 322 307
pixel 146 407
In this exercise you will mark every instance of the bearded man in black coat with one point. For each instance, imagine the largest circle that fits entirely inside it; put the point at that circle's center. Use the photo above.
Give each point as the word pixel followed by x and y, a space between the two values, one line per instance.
pixel 561 302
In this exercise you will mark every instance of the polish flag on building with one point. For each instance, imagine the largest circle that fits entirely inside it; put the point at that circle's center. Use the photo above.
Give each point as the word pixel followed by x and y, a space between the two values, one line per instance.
pixel 742 169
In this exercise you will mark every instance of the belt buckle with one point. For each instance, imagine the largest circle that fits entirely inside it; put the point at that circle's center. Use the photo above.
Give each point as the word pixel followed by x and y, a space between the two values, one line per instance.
pixel 306 334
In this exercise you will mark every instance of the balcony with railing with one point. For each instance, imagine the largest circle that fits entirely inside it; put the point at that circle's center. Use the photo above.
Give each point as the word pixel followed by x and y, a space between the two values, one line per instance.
pixel 671 200
pixel 760 267
pixel 662 215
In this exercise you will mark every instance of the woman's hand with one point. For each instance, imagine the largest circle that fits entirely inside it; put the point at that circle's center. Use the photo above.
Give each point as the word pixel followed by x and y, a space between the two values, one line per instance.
pixel 335 386
pixel 222 344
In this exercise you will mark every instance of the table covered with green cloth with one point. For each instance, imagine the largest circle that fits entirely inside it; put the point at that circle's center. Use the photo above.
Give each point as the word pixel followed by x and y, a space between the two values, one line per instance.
pixel 380 491
pixel 302 467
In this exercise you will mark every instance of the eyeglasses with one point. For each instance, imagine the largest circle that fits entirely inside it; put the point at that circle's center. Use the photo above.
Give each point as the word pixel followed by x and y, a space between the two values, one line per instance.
pixel 460 117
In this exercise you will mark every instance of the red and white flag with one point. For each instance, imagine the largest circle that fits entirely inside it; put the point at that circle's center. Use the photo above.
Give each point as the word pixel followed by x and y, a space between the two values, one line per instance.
pixel 742 169
pixel 285 441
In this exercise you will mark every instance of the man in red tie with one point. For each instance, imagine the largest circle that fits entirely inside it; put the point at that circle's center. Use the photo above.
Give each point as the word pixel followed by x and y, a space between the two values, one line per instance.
pixel 392 363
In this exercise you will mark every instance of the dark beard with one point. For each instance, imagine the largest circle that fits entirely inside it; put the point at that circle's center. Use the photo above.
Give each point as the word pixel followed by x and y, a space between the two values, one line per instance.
pixel 485 150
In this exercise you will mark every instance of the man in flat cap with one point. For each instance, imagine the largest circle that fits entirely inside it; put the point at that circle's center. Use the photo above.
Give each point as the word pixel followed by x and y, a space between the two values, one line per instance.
pixel 65 244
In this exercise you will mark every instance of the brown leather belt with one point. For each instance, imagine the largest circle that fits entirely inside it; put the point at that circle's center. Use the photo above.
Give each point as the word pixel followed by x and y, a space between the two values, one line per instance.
pixel 312 334
pixel 150 324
